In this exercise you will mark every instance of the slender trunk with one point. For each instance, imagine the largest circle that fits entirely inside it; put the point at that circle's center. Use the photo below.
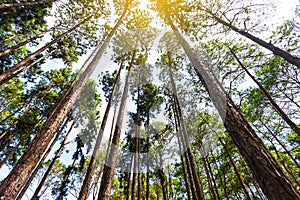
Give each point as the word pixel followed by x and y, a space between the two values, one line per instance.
pixel 6 51
pixel 11 5
pixel 6 75
pixel 110 135
pixel 283 163
pixel 266 170
pixel 184 168
pixel 284 116
pixel 12 184
pixel 213 178
pixel 33 174
pixel 128 180
pixel 148 161
pixel 16 73
pixel 281 144
pixel 210 186
pixel 109 167
pixel 136 144
pixel 171 194
pixel 195 177
pixel 162 178
pixel 217 163
pixel 245 189
pixel 277 51
pixel 56 156
pixel 88 176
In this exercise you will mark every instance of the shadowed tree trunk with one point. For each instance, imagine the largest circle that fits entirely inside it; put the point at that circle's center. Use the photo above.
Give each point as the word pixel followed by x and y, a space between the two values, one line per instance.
pixel 246 190
pixel 33 174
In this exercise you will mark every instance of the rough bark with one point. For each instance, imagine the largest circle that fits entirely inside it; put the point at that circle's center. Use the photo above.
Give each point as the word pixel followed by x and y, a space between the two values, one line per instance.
pixel 11 5
pixel 268 173
pixel 19 174
pixel 109 167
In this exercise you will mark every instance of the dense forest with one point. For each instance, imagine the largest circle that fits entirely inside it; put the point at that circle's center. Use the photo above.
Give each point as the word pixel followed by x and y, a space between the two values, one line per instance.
pixel 149 100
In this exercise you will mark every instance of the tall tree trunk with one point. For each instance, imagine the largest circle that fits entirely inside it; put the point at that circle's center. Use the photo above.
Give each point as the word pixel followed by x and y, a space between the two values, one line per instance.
pixel 266 170
pixel 11 5
pixel 109 167
pixel 41 162
pixel 12 184
pixel 56 156
pixel 284 116
pixel 210 186
pixel 245 189
pixel 6 75
pixel 195 177
pixel 184 170
pixel 213 178
pixel 136 145
pixel 277 51
pixel 88 176
pixel 162 178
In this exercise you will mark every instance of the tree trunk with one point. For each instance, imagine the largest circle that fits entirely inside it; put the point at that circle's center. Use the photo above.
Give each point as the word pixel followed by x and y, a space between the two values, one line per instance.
pixel 245 189
pixel 18 175
pixel 16 73
pixel 11 5
pixel 184 170
pixel 195 177
pixel 210 186
pixel 88 176
pixel 56 156
pixel 277 51
pixel 41 162
pixel 109 167
pixel 6 75
pixel 284 116
pixel 281 144
pixel 6 51
pixel 213 178
pixel 136 163
pixel 268 173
